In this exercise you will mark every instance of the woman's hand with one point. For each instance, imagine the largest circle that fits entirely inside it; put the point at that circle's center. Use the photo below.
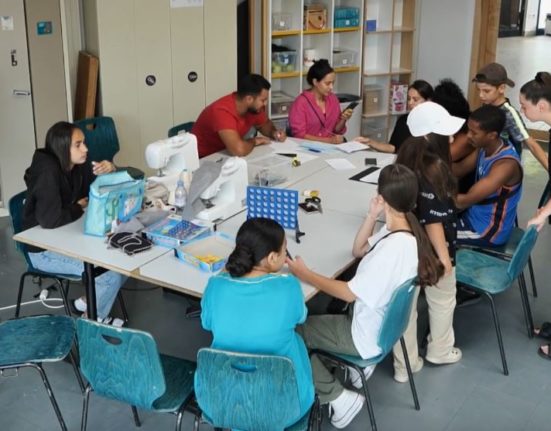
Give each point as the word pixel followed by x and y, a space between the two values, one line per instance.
pixel 376 206
pixel 362 140
pixel 103 167
pixel 346 114
pixel 297 266
pixel 83 202
pixel 538 220
pixel 337 139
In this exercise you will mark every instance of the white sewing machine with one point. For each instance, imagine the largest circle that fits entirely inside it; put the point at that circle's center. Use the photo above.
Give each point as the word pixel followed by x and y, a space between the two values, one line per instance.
pixel 170 157
pixel 227 195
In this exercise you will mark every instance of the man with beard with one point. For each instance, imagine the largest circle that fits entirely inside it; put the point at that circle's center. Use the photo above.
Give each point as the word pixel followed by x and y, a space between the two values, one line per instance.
pixel 226 123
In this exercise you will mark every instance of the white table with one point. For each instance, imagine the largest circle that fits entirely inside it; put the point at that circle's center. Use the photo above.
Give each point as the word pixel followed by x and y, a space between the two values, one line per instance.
pixel 69 240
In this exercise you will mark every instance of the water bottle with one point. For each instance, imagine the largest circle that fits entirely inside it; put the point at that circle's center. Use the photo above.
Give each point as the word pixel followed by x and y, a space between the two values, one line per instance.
pixel 180 196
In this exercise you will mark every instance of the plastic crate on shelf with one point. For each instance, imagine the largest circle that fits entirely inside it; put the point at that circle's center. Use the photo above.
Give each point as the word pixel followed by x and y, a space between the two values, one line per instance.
pixel 281 103
pixel 284 61
pixel 282 21
pixel 344 57
pixel 373 99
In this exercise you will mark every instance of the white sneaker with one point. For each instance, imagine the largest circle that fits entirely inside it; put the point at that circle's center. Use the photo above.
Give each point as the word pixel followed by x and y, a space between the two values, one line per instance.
pixel 80 304
pixel 453 356
pixel 354 376
pixel 345 408
pixel 119 323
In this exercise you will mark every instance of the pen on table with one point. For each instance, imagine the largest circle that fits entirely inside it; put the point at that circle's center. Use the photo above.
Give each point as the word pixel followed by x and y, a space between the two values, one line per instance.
pixel 314 150
pixel 288 154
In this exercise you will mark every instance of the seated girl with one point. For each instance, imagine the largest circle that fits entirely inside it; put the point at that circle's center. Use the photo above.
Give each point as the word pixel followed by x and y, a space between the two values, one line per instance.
pixel 316 114
pixel 397 253
pixel 58 182
pixel 253 309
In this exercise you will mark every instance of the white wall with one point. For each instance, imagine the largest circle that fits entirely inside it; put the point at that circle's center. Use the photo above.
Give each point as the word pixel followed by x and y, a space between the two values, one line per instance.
pixel 530 17
pixel 445 32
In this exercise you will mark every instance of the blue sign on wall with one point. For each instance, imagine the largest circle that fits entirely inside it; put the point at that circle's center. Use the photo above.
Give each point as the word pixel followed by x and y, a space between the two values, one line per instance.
pixel 43 27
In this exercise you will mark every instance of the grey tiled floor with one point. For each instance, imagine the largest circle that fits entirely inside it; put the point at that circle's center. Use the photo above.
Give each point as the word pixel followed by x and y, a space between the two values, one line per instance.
pixel 470 395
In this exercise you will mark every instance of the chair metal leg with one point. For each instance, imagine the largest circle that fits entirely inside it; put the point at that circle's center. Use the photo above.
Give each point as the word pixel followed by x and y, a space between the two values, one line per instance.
pixel 85 402
pixel 20 293
pixel 196 422
pixel 123 306
pixel 77 372
pixel 179 419
pixel 526 305
pixel 63 293
pixel 498 333
pixel 40 370
pixel 367 399
pixel 532 277
pixel 136 416
pixel 410 374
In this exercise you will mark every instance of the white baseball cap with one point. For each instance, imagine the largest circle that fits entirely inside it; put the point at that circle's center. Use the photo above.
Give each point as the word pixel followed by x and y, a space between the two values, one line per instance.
pixel 430 117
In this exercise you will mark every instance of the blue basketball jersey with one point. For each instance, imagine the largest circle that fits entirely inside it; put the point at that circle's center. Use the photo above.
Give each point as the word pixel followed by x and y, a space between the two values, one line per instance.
pixel 494 217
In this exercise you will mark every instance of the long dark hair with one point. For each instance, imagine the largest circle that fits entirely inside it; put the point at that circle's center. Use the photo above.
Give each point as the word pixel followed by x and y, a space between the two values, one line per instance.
pixel 256 239
pixel 538 88
pixel 423 88
pixel 319 70
pixel 448 94
pixel 58 142
pixel 422 157
pixel 399 188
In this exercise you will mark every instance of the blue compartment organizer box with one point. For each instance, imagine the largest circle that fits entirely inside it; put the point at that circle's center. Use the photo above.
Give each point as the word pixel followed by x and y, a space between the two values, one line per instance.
pixel 280 205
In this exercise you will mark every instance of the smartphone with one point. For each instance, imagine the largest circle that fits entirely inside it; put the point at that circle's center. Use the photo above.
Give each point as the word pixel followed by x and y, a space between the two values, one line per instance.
pixel 370 161
pixel 352 105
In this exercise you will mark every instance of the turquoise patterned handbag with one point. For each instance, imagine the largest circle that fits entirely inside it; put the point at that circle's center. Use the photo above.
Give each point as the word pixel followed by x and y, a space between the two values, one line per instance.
pixel 114 196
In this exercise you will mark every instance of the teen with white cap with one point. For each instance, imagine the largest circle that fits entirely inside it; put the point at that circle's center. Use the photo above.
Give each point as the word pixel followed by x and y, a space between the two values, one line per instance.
pixel 428 155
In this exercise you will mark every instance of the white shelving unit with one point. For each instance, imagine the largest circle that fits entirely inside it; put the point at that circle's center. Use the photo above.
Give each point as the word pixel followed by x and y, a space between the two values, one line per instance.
pixel 283 26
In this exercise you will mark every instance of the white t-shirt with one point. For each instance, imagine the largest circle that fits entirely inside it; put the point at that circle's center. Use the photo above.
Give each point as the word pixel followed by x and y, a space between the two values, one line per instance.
pixel 380 272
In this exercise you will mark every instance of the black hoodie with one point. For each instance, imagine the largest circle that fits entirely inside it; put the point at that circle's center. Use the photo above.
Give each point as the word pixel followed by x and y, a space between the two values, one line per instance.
pixel 52 194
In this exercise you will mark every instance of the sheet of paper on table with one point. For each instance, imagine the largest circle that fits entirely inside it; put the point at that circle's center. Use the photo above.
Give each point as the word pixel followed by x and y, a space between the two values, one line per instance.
pixel 340 164
pixel 351 147
pixel 372 177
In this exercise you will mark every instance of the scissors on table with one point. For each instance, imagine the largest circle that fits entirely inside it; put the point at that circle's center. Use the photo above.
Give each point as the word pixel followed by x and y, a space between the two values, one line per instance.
pixel 315 202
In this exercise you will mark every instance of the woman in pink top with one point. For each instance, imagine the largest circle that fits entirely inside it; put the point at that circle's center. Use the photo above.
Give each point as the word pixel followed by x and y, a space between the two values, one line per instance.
pixel 316 113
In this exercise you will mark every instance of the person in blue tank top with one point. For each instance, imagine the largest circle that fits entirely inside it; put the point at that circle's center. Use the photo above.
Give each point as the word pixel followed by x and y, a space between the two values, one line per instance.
pixel 490 205
pixel 252 308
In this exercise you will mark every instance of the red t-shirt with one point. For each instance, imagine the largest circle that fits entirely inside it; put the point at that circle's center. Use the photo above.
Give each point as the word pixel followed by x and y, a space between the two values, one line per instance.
pixel 222 115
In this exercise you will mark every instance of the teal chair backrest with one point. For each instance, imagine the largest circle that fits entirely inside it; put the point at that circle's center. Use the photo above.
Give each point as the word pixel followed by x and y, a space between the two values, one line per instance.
pixel 246 392
pixel 16 205
pixel 522 252
pixel 120 363
pixel 176 129
pixel 100 136
pixel 396 316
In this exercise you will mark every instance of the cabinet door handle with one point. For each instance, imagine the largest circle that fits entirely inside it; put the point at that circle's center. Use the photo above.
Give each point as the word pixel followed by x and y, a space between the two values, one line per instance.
pixel 21 93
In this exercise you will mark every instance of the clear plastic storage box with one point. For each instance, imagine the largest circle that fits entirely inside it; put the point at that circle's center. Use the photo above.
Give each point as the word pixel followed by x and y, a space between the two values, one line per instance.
pixel 282 21
pixel 344 57
pixel 284 61
pixel 281 103
pixel 269 171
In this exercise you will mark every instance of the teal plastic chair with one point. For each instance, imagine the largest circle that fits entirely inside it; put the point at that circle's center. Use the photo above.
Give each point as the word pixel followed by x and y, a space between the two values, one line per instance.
pixel 125 365
pixel 62 281
pixel 395 322
pixel 173 131
pixel 249 392
pixel 31 341
pixel 490 275
pixel 100 135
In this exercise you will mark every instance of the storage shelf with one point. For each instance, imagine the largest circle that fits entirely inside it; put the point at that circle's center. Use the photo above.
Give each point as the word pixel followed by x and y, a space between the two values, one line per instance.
pixel 278 116
pixel 376 115
pixel 346 29
pixel 382 31
pixel 400 71
pixel 347 69
pixel 401 29
pixel 285 75
pixel 285 33
pixel 324 31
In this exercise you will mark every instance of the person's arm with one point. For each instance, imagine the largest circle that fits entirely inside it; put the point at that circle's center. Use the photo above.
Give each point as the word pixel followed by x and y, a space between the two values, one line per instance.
pixel 501 173
pixel 103 167
pixel 336 288
pixel 361 241
pixel 540 217
pixel 237 146
pixel 537 151
pixel 463 167
pixel 435 232
pixel 460 147
pixel 50 212
pixel 269 130
pixel 382 147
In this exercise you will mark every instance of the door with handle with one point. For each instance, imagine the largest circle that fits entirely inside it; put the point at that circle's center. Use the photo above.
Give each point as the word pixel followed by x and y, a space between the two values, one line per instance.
pixel 17 135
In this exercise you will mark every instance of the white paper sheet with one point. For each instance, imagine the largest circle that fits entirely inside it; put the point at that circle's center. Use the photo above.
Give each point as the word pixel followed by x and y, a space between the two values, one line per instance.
pixel 351 147
pixel 372 178
pixel 340 164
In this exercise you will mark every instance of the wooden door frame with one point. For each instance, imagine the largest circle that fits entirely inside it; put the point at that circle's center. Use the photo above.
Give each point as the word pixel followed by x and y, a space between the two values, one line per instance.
pixel 484 45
